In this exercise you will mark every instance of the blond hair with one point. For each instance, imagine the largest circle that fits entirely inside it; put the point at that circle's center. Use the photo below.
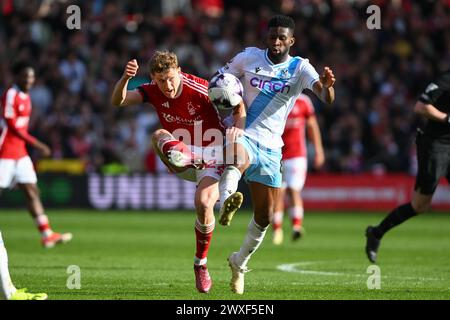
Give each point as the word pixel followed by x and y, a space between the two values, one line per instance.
pixel 162 61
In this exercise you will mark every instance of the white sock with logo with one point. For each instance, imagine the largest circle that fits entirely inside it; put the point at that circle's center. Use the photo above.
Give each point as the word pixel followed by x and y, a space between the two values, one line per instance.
pixel 6 287
pixel 253 239
pixel 229 182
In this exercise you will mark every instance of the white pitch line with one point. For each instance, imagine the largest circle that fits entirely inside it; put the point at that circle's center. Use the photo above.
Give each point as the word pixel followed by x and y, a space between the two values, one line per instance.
pixel 293 267
pixel 298 268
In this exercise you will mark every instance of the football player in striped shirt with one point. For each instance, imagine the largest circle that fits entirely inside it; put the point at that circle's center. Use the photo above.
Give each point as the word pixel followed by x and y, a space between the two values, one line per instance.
pixel 272 81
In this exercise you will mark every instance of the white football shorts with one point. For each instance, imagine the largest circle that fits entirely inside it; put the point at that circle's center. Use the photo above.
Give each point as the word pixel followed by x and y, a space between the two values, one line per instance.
pixel 294 173
pixel 16 171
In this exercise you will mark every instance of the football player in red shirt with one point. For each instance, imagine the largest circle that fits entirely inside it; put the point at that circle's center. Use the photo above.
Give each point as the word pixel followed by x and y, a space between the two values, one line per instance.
pixel 190 143
pixel 295 165
pixel 15 164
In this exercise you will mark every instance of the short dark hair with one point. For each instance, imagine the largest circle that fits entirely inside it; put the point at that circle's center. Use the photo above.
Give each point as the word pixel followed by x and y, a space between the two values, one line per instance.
pixel 19 66
pixel 281 21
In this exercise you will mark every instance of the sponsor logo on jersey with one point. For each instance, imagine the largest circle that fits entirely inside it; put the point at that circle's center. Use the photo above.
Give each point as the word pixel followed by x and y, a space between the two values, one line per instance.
pixel 180 120
pixel 276 86
pixel 285 74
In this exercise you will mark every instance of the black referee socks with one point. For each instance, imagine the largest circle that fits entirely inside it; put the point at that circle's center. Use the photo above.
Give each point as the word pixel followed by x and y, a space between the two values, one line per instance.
pixel 394 218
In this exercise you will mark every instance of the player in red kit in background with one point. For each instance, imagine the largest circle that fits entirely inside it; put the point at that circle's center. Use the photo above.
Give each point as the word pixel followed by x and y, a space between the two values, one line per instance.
pixel 295 165
pixel 192 135
pixel 15 164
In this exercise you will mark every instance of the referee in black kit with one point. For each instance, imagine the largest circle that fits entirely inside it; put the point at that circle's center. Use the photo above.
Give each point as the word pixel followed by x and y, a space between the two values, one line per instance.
pixel 433 156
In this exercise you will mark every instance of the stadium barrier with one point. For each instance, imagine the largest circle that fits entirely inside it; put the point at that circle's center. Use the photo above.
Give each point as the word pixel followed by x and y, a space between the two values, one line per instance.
pixel 168 192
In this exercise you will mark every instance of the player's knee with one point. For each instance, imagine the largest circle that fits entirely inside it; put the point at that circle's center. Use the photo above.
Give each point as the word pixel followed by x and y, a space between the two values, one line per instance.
pixel 159 134
pixel 155 137
pixel 205 202
pixel 263 219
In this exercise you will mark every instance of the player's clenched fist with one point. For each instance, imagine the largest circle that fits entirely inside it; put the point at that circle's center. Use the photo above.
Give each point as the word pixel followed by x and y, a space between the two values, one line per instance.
pixel 327 78
pixel 131 69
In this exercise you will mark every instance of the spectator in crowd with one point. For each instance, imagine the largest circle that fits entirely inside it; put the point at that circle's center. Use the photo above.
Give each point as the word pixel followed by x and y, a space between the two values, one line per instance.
pixel 368 128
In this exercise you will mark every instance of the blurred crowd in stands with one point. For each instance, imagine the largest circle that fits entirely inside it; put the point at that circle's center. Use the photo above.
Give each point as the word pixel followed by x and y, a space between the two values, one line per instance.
pixel 380 73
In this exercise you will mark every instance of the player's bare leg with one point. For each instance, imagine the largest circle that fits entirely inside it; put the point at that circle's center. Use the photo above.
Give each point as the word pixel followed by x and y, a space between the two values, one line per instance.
pixel 263 199
pixel 36 209
pixel 205 198
pixel 7 290
pixel 237 161
pixel 277 219
pixel 295 209
pixel 158 138
pixel 420 203
pixel 6 286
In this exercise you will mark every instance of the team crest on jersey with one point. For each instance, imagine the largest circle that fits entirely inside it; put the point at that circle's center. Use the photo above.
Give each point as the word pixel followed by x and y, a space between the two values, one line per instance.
pixel 166 104
pixel 21 107
pixel 431 87
pixel 191 108
pixel 285 74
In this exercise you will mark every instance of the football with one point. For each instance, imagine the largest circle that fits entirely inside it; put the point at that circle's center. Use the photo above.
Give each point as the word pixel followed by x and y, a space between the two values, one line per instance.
pixel 225 91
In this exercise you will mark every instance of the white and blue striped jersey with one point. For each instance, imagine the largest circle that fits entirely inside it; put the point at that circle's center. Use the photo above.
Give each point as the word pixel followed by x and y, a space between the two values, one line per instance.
pixel 270 91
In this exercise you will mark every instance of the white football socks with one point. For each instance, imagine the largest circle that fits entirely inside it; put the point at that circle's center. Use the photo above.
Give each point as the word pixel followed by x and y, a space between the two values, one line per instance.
pixel 296 215
pixel 277 219
pixel 6 286
pixel 296 212
pixel 253 239
pixel 229 182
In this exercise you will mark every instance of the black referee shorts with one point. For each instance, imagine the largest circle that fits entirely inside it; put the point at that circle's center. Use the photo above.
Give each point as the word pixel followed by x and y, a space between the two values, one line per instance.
pixel 433 163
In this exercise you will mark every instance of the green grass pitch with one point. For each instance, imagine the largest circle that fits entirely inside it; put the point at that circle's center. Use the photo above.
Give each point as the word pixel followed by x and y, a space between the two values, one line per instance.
pixel 138 255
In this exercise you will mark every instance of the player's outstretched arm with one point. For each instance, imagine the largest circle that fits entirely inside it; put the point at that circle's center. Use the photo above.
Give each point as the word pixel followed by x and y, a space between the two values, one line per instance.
pixel 239 117
pixel 313 132
pixel 28 138
pixel 121 96
pixel 324 87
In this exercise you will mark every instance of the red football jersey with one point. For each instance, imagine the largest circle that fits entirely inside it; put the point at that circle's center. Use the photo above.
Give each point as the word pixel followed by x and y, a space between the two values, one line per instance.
pixel 15 111
pixel 294 132
pixel 191 110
